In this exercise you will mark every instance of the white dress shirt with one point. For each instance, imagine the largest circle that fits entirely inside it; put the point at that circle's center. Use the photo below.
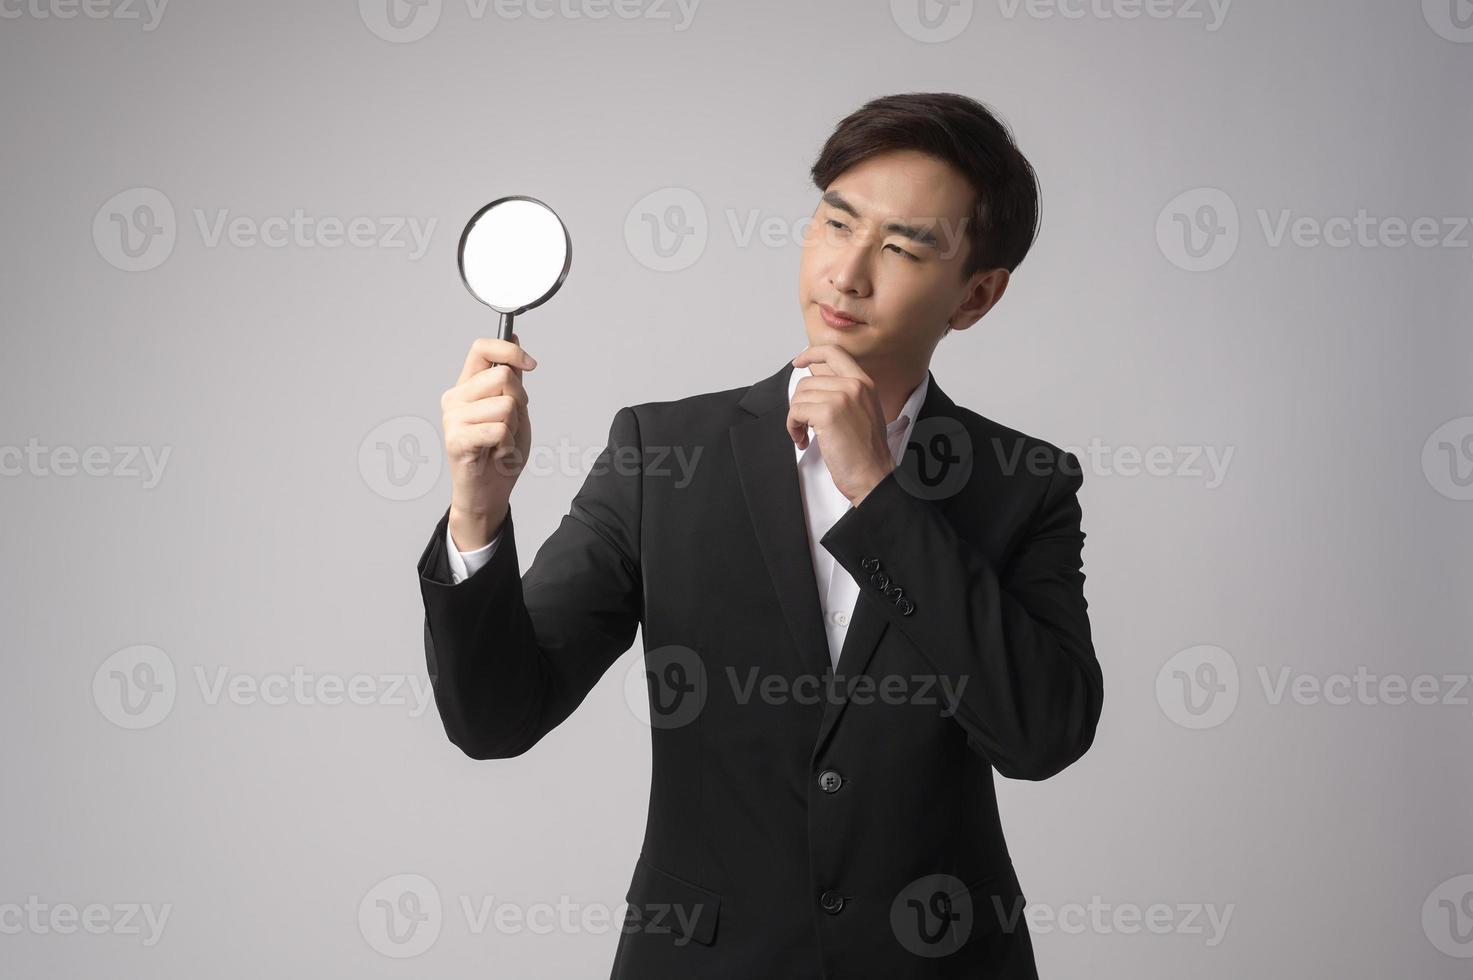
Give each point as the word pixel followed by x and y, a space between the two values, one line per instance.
pixel 823 505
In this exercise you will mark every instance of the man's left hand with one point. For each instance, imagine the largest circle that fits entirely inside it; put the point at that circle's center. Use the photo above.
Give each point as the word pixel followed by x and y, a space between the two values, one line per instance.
pixel 842 404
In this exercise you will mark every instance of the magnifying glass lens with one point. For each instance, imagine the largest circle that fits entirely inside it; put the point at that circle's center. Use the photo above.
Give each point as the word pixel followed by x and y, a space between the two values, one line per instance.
pixel 514 254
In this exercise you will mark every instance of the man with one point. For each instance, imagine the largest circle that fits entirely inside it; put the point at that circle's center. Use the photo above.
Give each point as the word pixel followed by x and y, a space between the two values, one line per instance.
pixel 860 600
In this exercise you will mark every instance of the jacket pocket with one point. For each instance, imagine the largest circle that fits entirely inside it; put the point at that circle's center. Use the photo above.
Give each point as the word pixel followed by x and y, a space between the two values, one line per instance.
pixel 997 902
pixel 664 903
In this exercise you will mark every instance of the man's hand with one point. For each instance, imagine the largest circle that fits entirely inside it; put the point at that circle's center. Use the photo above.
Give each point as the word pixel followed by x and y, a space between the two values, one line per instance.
pixel 487 438
pixel 841 403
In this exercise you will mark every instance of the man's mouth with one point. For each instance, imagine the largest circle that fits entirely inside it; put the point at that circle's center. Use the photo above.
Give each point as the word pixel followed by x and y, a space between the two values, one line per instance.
pixel 835 318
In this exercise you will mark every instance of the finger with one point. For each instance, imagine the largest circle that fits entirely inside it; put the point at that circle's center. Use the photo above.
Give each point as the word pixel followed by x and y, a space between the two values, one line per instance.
pixel 834 357
pixel 820 369
pixel 797 422
pixel 486 351
pixel 815 410
pixel 477 438
pixel 805 412
pixel 798 430
pixel 498 380
pixel 832 382
pixel 498 408
pixel 818 400
pixel 844 390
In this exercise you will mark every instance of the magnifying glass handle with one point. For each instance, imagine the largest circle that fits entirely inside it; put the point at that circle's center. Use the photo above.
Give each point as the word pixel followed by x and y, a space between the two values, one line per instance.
pixel 503 328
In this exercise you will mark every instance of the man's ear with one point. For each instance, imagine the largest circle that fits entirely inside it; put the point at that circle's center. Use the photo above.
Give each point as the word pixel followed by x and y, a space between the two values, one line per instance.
pixel 986 289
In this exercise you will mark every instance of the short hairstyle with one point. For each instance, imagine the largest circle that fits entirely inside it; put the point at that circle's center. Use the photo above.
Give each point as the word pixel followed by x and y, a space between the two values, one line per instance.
pixel 964 133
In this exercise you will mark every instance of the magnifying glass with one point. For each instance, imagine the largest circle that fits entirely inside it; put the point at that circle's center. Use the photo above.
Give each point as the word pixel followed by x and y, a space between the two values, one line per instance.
pixel 514 254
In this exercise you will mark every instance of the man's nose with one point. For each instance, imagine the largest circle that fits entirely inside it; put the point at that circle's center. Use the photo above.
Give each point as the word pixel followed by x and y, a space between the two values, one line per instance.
pixel 850 272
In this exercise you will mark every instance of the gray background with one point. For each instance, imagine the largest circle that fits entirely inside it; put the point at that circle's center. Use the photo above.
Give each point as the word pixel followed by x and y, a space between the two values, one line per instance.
pixel 1336 540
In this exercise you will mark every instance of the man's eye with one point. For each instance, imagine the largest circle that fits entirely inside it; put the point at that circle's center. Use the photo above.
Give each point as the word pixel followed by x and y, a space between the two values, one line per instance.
pixel 839 224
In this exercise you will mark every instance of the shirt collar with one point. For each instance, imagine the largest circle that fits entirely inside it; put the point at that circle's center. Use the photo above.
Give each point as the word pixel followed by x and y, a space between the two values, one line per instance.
pixel 901 424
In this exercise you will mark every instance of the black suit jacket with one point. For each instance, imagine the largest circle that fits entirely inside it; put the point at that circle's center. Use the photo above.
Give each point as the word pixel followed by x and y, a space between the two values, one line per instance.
pixel 798 828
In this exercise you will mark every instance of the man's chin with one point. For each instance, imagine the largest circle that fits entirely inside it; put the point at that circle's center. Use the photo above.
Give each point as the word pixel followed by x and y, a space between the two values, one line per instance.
pixel 850 339
pixel 828 340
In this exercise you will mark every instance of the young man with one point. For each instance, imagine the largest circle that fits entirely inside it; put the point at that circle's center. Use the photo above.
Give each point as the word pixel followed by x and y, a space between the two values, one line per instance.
pixel 859 601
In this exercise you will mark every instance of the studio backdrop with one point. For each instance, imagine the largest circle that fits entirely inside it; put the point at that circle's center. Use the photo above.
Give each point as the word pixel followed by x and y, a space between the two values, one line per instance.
pixel 231 305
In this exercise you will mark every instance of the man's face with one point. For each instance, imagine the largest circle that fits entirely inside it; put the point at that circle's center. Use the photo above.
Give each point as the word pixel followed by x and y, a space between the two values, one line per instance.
pixel 886 245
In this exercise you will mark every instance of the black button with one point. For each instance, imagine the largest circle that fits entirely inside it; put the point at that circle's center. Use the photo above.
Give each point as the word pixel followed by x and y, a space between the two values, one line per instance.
pixel 905 606
pixel 880 579
pixel 870 564
pixel 831 902
pixel 894 592
pixel 829 780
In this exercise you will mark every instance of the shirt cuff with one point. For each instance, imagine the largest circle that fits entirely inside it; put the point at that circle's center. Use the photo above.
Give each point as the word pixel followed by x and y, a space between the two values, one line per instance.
pixel 464 564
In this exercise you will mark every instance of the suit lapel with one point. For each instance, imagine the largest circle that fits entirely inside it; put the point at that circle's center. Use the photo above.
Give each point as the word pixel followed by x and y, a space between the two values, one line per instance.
pixel 768 470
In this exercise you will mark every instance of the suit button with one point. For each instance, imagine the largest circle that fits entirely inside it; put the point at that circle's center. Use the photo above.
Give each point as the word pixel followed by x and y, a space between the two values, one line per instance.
pixel 829 780
pixel 905 606
pixel 894 592
pixel 831 902
pixel 870 564
pixel 880 579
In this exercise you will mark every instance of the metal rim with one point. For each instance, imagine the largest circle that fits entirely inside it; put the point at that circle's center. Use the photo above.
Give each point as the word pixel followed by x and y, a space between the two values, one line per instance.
pixel 567 254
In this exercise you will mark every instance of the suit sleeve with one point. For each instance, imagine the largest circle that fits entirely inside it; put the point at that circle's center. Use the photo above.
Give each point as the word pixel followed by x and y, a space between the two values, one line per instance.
pixel 510 657
pixel 1017 638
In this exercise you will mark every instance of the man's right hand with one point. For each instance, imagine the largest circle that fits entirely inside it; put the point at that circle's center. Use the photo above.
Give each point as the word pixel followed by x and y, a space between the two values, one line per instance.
pixel 488 436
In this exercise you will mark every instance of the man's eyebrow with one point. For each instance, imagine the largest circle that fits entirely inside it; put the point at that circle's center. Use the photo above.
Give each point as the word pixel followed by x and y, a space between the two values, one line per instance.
pixel 918 235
